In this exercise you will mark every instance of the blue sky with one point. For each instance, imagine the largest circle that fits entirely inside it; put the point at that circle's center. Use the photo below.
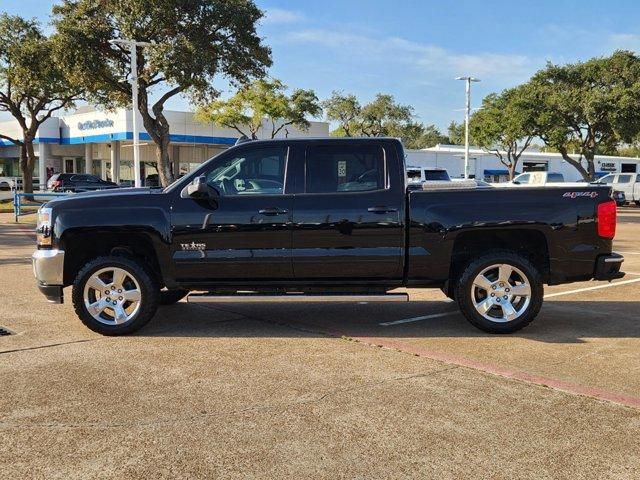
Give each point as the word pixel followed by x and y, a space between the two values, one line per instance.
pixel 414 49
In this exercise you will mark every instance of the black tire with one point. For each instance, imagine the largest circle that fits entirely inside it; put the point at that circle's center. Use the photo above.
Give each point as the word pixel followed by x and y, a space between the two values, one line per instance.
pixel 149 294
pixel 466 293
pixel 169 297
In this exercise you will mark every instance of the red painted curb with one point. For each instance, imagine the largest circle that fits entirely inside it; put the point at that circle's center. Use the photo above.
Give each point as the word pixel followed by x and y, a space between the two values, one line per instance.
pixel 568 387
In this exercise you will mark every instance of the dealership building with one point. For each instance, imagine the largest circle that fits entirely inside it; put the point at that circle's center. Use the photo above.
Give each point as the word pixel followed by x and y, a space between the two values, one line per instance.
pixel 101 143
pixel 486 166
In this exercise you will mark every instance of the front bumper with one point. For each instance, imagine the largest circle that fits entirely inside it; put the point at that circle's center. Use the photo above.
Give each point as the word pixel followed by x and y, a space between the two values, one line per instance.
pixel 608 267
pixel 48 268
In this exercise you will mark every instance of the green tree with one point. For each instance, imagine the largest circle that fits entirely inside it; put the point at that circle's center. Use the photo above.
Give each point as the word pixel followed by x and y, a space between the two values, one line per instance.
pixel 260 101
pixel 191 42
pixel 381 117
pixel 587 107
pixel 345 110
pixel 504 126
pixel 455 133
pixel 32 85
pixel 431 136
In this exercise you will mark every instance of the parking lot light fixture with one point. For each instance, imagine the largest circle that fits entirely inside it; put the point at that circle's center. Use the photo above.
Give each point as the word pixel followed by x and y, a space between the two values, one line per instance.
pixel 467 111
pixel 133 80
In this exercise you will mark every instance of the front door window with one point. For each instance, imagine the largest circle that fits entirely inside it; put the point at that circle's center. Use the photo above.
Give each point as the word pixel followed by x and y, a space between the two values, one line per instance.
pixel 253 172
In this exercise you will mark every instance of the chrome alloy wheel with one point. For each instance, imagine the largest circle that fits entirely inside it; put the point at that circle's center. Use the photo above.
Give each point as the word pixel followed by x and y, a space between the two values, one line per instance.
pixel 112 296
pixel 501 293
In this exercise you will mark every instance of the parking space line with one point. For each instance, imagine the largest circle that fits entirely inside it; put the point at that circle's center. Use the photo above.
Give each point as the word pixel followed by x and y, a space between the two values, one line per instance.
pixel 418 319
pixel 597 287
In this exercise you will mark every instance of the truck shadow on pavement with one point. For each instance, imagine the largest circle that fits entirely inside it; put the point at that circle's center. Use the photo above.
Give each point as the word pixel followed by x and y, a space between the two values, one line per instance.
pixel 558 321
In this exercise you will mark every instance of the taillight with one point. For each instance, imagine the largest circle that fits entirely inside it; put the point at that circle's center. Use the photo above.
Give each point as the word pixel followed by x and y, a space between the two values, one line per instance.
pixel 607 219
pixel 55 183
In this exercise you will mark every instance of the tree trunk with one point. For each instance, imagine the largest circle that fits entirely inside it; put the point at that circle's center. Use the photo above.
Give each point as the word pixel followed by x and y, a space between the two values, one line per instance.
pixel 591 168
pixel 27 162
pixel 158 129
pixel 165 172
pixel 585 174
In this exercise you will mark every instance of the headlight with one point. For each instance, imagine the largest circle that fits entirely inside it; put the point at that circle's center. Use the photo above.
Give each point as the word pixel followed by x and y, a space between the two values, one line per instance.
pixel 43 228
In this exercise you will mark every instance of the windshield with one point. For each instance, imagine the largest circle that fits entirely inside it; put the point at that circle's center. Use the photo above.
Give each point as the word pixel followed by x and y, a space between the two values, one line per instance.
pixel 436 175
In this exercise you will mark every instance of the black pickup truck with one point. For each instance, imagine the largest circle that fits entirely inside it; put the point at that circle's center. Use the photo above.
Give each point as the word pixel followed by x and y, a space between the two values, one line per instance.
pixel 320 220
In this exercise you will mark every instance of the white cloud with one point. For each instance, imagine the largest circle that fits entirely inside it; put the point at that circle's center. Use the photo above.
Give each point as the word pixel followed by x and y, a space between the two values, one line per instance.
pixel 625 41
pixel 425 57
pixel 275 16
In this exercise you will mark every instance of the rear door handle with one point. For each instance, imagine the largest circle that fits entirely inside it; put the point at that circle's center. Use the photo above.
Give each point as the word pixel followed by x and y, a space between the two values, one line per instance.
pixel 273 211
pixel 382 209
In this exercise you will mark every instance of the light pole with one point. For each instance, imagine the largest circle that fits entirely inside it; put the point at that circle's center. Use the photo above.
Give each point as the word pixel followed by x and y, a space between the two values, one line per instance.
pixel 467 110
pixel 133 45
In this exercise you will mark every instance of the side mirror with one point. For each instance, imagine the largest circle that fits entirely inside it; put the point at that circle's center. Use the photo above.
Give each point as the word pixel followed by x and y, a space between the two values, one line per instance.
pixel 199 188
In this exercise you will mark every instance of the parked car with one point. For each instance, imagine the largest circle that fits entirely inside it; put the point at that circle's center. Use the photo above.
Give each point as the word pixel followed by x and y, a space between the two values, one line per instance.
pixel 619 197
pixel 320 220
pixel 152 180
pixel 538 178
pixel 9 183
pixel 628 183
pixel 77 182
pixel 6 183
pixel 417 175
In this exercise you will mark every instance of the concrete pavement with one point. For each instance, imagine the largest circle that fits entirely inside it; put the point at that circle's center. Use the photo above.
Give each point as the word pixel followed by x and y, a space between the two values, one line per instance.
pixel 264 391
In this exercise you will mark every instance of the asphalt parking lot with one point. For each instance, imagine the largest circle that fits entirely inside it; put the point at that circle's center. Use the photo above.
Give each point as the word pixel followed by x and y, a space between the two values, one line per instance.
pixel 322 391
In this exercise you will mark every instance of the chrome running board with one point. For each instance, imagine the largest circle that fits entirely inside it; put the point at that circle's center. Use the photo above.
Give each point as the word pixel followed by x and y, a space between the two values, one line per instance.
pixel 296 297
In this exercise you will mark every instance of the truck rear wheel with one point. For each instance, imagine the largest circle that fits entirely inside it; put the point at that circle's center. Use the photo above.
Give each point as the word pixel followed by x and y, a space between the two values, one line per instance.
pixel 115 295
pixel 501 292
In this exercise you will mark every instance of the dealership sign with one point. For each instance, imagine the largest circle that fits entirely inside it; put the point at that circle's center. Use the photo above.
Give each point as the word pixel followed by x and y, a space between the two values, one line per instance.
pixel 608 167
pixel 95 124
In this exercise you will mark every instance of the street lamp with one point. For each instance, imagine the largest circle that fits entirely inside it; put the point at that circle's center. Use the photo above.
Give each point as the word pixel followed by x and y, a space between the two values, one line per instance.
pixel 133 45
pixel 467 110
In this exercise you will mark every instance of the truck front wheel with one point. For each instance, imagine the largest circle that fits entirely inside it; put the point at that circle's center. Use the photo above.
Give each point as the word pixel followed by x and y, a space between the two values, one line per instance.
pixel 115 295
pixel 500 292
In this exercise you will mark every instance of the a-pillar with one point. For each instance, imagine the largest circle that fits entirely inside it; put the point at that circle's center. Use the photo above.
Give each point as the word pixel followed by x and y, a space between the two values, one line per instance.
pixel 44 156
pixel 88 158
pixel 115 161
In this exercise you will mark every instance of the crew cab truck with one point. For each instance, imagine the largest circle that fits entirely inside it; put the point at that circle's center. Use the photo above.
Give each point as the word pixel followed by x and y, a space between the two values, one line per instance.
pixel 320 220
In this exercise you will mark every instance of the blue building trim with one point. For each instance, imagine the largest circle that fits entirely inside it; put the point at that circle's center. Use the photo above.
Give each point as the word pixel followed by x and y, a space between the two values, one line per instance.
pixel 52 140
pixel 110 137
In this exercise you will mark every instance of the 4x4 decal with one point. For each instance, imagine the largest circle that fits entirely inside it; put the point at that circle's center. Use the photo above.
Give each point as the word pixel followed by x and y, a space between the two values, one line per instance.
pixel 580 194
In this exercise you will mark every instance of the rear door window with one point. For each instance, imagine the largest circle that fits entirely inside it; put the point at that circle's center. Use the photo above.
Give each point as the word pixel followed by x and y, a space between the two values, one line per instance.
pixel 345 168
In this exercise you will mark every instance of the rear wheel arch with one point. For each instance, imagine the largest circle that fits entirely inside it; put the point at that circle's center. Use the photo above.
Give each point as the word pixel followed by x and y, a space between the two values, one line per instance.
pixel 530 243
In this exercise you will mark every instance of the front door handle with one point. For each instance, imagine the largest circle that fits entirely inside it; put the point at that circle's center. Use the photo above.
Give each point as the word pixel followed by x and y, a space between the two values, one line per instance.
pixel 382 209
pixel 273 211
